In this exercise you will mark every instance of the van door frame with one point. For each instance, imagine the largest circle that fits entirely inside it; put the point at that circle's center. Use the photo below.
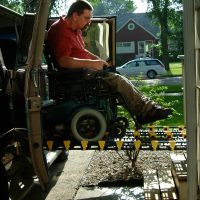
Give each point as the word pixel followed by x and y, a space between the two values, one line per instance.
pixel 32 93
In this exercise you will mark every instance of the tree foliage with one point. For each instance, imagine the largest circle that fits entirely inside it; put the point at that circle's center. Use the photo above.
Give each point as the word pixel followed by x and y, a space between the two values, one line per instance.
pixel 20 6
pixel 101 7
pixel 167 15
pixel 16 5
pixel 58 7
pixel 113 7
pixel 176 34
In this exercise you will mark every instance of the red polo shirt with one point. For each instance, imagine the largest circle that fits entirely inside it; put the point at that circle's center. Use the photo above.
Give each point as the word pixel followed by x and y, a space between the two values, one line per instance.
pixel 63 41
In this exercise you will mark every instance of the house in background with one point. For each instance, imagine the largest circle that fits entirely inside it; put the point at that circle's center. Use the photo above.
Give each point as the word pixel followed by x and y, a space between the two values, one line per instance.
pixel 135 37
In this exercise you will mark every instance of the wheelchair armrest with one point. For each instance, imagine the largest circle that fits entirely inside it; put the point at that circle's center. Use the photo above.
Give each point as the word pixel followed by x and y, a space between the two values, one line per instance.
pixel 101 73
pixel 69 74
pixel 109 69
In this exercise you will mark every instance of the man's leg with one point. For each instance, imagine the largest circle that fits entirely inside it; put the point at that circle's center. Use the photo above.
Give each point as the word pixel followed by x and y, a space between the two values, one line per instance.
pixel 145 110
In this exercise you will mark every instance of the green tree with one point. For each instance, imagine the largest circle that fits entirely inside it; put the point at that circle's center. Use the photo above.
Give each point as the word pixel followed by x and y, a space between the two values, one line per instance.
pixel 113 7
pixel 104 7
pixel 101 7
pixel 20 6
pixel 162 11
pixel 176 43
pixel 16 5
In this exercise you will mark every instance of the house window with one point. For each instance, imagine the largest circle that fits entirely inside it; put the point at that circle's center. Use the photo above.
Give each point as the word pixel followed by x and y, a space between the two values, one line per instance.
pixel 145 48
pixel 126 44
pixel 141 49
pixel 131 26
pixel 125 47
pixel 119 44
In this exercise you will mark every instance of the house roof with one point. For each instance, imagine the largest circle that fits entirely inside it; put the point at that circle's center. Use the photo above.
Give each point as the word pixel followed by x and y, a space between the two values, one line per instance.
pixel 141 19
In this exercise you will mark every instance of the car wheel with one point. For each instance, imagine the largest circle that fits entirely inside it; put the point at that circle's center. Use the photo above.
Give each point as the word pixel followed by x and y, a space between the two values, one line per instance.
pixel 88 124
pixel 151 74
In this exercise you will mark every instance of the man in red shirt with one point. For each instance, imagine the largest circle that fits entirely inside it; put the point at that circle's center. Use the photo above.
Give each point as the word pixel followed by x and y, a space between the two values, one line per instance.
pixel 65 40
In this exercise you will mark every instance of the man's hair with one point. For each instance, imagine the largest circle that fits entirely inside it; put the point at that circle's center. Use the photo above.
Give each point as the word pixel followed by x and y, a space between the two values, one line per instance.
pixel 79 6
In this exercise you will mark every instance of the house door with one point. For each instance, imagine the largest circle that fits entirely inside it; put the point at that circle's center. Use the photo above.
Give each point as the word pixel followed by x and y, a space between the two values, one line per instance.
pixel 144 49
pixel 141 49
pixel 148 48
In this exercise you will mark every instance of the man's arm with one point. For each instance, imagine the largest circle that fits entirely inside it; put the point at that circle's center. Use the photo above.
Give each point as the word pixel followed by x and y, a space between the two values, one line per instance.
pixel 93 56
pixel 72 63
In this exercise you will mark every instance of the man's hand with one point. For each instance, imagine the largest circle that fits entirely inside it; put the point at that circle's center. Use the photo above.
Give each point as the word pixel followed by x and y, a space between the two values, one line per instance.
pixel 98 65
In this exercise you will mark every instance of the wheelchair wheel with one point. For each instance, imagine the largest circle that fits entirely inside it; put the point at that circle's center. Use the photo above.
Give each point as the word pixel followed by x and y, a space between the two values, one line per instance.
pixel 88 124
pixel 123 121
pixel 118 130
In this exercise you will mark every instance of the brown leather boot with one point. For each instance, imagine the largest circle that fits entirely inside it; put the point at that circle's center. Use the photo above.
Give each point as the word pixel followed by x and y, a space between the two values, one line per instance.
pixel 157 113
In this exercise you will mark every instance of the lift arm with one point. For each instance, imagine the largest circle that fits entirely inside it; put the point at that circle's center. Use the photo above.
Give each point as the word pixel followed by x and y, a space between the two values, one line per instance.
pixel 32 93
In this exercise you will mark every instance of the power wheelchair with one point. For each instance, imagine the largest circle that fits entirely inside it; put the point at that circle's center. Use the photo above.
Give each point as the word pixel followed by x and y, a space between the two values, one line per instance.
pixel 75 106
pixel 83 106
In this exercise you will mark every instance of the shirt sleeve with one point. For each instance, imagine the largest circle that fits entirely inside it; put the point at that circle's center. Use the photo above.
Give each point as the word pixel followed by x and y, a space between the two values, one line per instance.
pixel 63 46
pixel 59 41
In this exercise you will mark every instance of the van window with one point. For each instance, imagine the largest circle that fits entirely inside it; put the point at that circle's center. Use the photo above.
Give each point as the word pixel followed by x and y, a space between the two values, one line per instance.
pixel 131 64
pixel 141 63
pixel 152 62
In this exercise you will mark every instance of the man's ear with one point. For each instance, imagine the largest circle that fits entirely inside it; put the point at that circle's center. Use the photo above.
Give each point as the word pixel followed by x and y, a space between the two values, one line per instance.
pixel 75 16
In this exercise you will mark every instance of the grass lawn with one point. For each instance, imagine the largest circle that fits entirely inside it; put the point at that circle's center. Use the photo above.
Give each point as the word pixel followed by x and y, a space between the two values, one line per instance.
pixel 174 102
pixel 174 89
pixel 177 118
pixel 175 69
pixel 166 89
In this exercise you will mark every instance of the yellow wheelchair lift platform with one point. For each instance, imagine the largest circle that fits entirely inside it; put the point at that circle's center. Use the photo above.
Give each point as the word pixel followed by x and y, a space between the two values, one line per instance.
pixel 149 138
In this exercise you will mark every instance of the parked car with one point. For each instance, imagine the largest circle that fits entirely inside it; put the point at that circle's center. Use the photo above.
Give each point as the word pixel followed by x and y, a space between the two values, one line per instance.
pixel 143 66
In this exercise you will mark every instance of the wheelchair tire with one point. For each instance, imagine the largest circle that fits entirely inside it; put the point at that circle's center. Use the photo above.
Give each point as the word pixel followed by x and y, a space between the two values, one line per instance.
pixel 118 130
pixel 88 124
pixel 123 121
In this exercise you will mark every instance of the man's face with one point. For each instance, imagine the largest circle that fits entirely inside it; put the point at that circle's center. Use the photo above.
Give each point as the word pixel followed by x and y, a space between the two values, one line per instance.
pixel 83 20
